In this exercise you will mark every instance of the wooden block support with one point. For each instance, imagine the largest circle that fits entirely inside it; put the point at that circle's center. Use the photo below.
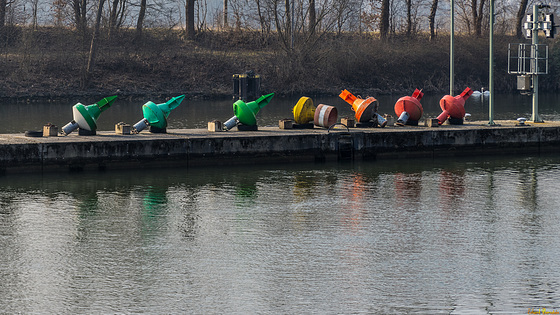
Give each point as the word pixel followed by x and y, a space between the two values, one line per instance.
pixel 215 126
pixel 285 124
pixel 390 119
pixel 348 122
pixel 431 122
pixel 122 128
pixel 50 130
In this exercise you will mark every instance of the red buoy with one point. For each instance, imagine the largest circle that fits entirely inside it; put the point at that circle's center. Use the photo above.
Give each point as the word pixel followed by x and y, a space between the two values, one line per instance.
pixel 409 109
pixel 453 107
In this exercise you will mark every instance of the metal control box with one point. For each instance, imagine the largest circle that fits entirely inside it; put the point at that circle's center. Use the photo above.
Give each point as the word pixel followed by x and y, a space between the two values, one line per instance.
pixel 524 83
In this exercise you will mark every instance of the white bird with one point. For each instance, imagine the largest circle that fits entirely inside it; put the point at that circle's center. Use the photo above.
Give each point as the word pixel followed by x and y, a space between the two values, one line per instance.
pixel 481 93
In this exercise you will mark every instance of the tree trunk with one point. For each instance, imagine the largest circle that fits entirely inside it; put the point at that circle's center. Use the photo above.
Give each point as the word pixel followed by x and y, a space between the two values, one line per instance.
pixel 520 17
pixel 384 20
pixel 474 14
pixel 261 18
pixel 2 13
pixel 34 9
pixel 408 18
pixel 477 15
pixel 312 16
pixel 113 16
pixel 480 16
pixel 58 11
pixel 80 15
pixel 140 22
pixel 288 9
pixel 189 16
pixel 432 18
pixel 93 47
pixel 225 14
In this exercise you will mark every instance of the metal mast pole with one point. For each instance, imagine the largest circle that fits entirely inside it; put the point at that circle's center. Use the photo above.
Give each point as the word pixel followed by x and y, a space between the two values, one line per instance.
pixel 293 24
pixel 535 64
pixel 491 70
pixel 451 50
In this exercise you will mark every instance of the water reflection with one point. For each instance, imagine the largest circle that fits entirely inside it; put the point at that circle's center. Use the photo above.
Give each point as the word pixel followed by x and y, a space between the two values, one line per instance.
pixel 379 237
pixel 408 188
pixel 452 188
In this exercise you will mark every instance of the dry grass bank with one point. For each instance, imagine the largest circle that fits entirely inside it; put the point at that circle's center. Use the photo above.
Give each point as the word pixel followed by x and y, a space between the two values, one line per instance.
pixel 48 63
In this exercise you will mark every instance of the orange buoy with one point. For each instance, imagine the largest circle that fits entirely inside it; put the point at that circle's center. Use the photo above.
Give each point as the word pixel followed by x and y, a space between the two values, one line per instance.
pixel 453 107
pixel 365 109
pixel 409 109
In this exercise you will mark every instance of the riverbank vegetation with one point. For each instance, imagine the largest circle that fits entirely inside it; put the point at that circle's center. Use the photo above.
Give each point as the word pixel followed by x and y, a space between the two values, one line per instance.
pixel 85 51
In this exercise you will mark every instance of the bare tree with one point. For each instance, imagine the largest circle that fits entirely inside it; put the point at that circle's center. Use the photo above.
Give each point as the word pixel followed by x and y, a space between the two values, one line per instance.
pixel 189 18
pixel 478 15
pixel 140 21
pixel 58 7
pixel 201 10
pixel 262 21
pixel 94 44
pixel 288 11
pixel 312 16
pixel 384 19
pixel 117 9
pixel 519 18
pixel 408 17
pixel 432 18
pixel 34 12
pixel 225 14
pixel 7 12
pixel 341 11
pixel 3 5
pixel 80 15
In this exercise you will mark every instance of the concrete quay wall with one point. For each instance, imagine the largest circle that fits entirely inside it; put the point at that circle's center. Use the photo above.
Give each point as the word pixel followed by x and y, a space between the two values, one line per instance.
pixel 193 147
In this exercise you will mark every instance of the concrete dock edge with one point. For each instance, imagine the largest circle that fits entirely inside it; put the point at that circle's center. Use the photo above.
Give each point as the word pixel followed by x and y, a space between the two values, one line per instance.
pixel 197 147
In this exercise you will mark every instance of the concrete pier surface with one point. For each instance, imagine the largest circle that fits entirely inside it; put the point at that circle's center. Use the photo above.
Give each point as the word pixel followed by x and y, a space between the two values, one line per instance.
pixel 193 147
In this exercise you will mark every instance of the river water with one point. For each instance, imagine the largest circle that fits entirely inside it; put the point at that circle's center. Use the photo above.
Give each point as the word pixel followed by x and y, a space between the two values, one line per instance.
pixel 443 236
